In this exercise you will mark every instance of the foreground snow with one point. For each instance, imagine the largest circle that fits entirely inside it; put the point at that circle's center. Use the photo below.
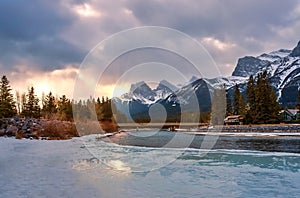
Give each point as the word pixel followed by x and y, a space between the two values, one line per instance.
pixel 31 168
pixel 83 167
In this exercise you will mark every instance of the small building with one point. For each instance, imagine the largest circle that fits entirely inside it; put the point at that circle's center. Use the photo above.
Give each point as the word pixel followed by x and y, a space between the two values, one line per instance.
pixel 234 120
pixel 289 115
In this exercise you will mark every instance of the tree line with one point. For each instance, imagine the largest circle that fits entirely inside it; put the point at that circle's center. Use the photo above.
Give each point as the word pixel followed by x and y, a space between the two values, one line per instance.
pixel 50 107
pixel 259 105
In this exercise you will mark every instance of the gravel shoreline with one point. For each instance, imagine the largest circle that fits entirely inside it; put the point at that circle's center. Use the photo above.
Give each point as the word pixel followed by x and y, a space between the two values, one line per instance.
pixel 37 128
pixel 262 128
pixel 55 129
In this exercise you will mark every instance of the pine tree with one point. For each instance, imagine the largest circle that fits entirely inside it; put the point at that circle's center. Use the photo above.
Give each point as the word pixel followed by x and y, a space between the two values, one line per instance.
pixel 7 103
pixel 49 106
pixel 98 109
pixel 242 105
pixel 250 91
pixel 32 108
pixel 266 106
pixel 107 110
pixel 81 110
pixel 90 106
pixel 236 100
pixel 274 107
pixel 77 106
pixel 103 108
pixel 65 108
pixel 228 104
pixel 259 108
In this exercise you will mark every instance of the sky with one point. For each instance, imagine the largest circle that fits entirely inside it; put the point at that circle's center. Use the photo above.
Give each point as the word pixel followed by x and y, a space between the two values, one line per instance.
pixel 43 43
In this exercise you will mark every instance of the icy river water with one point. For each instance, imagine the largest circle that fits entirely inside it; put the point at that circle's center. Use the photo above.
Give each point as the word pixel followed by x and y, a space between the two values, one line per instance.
pixel 90 167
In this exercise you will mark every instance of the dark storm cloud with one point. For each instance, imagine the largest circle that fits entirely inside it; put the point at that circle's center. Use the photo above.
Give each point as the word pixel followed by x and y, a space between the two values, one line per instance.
pixel 30 32
pixel 202 17
pixel 56 51
pixel 50 34
pixel 227 20
pixel 47 54
pixel 23 20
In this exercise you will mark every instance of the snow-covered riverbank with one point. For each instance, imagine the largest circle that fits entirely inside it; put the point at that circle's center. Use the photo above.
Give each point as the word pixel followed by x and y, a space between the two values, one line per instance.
pixel 32 168
pixel 84 167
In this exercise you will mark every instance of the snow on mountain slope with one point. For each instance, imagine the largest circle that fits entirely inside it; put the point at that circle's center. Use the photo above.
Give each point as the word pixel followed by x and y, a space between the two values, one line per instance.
pixel 275 55
pixel 143 93
pixel 164 89
pixel 198 92
pixel 283 67
pixel 227 81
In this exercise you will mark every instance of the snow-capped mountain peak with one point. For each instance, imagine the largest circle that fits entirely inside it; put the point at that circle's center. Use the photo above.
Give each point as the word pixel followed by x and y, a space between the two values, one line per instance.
pixel 283 67
pixel 296 51
pixel 167 84
pixel 142 92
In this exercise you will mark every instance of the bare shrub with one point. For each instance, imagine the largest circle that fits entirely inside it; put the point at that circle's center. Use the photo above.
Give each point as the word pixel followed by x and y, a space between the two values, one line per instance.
pixel 57 130
pixel 109 126
pixel 19 135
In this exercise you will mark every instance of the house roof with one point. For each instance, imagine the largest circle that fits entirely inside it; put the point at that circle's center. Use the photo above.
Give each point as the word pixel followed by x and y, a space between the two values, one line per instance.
pixel 233 116
pixel 293 111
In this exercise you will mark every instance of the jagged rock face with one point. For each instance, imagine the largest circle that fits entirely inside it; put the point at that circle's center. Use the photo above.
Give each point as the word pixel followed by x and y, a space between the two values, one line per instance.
pixel 196 94
pixel 163 90
pixel 296 50
pixel 283 67
pixel 137 102
pixel 143 90
pixel 250 65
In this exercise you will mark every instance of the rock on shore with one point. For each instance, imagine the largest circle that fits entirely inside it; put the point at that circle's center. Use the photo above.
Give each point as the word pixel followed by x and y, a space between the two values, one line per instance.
pixel 37 128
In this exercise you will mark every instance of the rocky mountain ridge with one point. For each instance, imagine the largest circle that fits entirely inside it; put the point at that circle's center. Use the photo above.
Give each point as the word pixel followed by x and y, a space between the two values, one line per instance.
pixel 283 67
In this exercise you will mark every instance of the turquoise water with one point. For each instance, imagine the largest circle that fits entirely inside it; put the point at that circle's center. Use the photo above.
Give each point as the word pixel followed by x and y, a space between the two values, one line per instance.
pixel 247 141
pixel 87 167
pixel 178 172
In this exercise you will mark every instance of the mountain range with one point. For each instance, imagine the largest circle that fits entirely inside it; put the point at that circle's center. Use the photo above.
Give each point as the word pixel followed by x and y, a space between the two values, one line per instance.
pixel 283 67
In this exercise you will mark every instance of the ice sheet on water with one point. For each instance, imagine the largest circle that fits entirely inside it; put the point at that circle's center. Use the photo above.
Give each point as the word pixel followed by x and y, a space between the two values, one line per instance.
pixel 130 158
pixel 32 168
pixel 145 159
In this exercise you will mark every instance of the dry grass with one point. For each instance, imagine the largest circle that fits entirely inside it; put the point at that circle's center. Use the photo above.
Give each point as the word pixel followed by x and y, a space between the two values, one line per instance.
pixel 88 127
pixel 58 130
pixel 61 130
pixel 94 127
pixel 109 126
pixel 19 135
